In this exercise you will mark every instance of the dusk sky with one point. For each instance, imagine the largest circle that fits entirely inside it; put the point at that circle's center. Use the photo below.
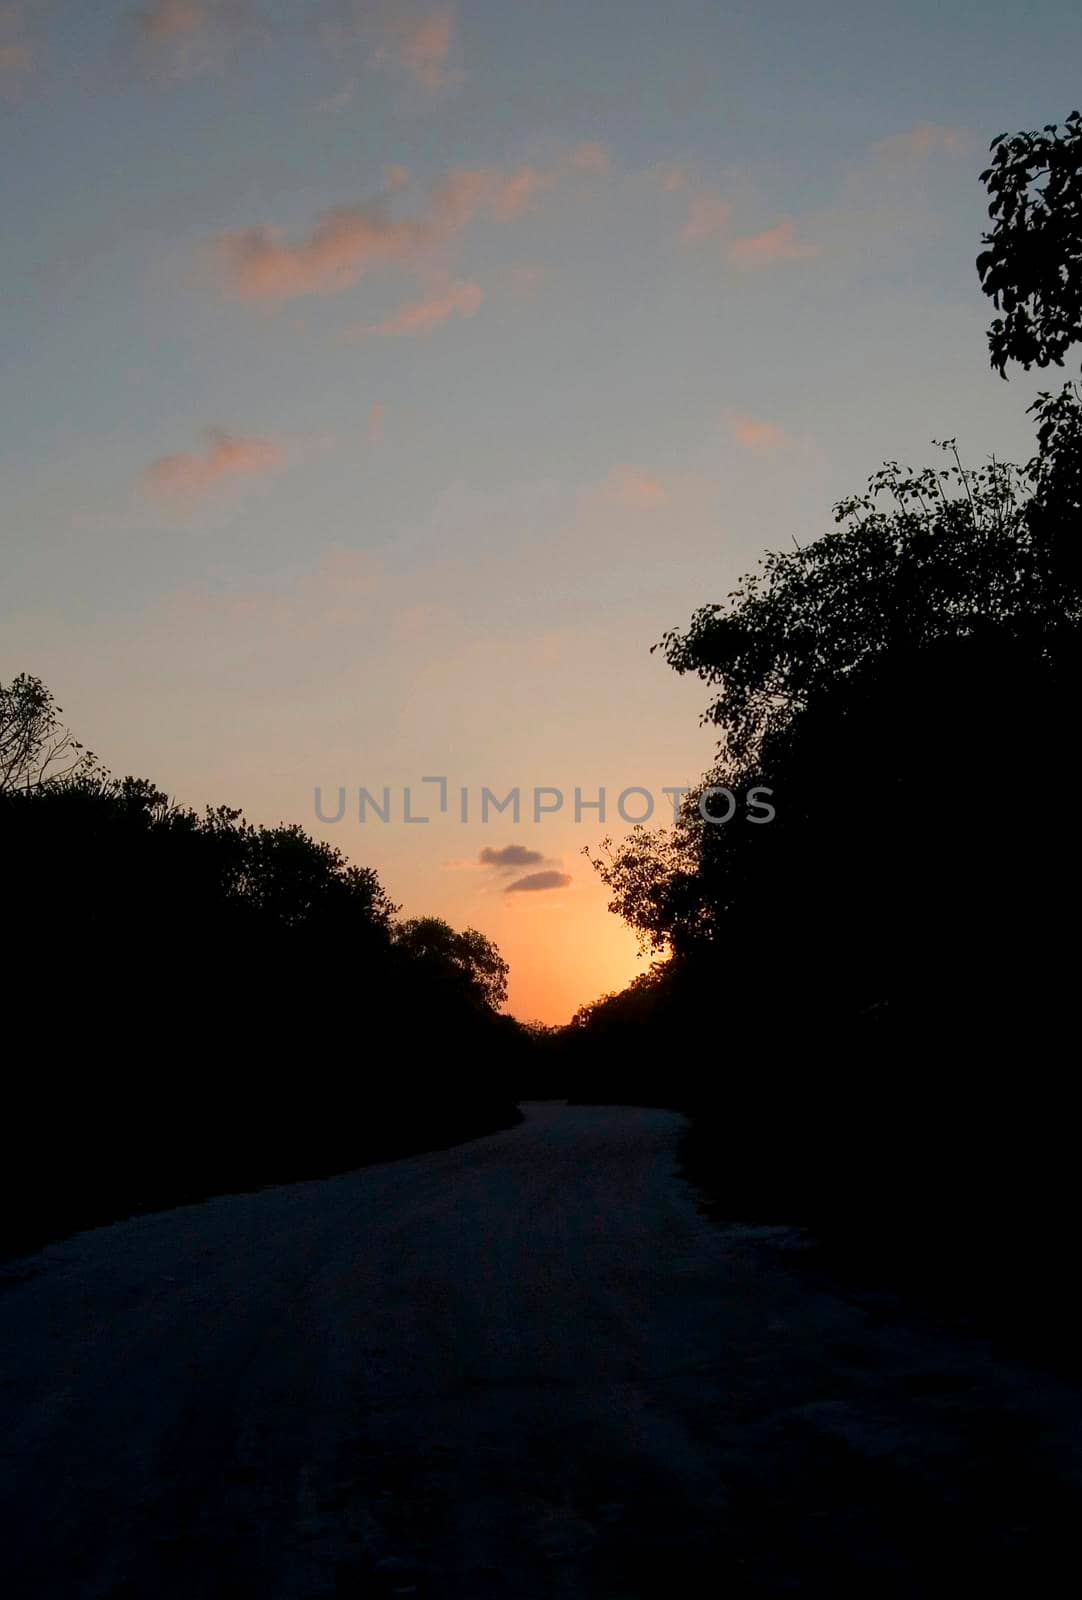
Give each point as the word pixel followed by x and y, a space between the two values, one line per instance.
pixel 381 380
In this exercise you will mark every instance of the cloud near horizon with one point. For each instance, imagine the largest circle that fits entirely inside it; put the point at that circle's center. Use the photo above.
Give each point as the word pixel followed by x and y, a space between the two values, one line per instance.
pixel 510 857
pixel 188 476
pixel 534 882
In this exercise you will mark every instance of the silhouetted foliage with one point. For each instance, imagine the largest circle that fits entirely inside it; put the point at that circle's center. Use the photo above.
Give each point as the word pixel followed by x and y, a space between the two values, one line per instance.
pixel 34 746
pixel 241 1004
pixel 467 961
pixel 920 557
pixel 865 1001
pixel 951 594
pixel 1032 269
pixel 1032 266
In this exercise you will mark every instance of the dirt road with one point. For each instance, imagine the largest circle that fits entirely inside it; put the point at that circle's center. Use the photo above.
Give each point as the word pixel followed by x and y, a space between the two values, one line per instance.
pixel 523 1367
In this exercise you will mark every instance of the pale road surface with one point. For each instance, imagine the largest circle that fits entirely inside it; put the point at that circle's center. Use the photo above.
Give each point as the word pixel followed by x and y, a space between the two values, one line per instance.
pixel 523 1367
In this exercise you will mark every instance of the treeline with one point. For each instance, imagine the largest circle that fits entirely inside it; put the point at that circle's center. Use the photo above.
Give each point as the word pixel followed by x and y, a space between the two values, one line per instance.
pixel 195 1004
pixel 868 1004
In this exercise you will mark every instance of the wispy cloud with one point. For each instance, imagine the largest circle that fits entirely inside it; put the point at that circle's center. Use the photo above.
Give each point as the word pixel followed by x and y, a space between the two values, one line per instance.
pixel 708 215
pixel 674 176
pixel 262 263
pixel 438 306
pixel 172 19
pixel 190 475
pixel 423 46
pixel 17 49
pixel 923 139
pixel 183 38
pixel 535 882
pixel 514 193
pixel 590 157
pixel 890 196
pixel 633 486
pixel 755 434
pixel 779 243
pixel 510 857
pixel 15 61
pixel 414 40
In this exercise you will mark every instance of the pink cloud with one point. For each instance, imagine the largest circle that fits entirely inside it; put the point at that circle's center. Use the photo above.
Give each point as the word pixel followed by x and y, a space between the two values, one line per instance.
pixel 633 487
pixel 442 302
pixel 420 44
pixel 513 194
pixel 259 263
pixel 754 434
pixel 674 176
pixel 377 416
pixel 262 264
pixel 707 217
pixel 172 19
pixel 14 60
pixel 16 48
pixel 427 45
pixel 590 157
pixel 924 139
pixel 180 38
pixel 774 244
pixel 188 476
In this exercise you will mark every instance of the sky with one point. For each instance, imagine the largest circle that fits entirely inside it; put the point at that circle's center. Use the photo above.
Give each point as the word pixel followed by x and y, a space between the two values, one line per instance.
pixel 380 380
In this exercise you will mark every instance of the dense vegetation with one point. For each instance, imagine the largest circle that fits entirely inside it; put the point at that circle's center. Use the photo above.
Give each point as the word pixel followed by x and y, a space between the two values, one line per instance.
pixel 195 1004
pixel 867 1004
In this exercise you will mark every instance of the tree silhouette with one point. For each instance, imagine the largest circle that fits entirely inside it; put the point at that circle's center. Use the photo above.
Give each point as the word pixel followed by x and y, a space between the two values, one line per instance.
pixel 468 960
pixel 256 1013
pixel 1032 269
pixel 1032 266
pixel 864 1002
pixel 919 557
pixel 34 747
